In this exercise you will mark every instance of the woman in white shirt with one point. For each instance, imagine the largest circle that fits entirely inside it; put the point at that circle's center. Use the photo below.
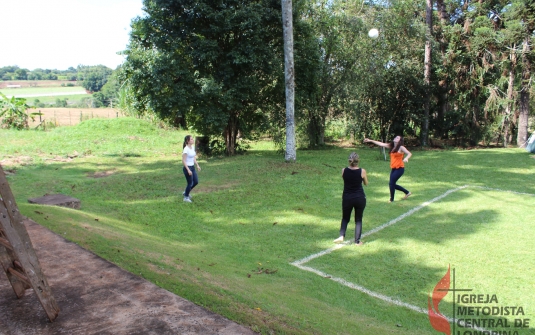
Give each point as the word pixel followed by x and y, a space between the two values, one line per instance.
pixel 189 161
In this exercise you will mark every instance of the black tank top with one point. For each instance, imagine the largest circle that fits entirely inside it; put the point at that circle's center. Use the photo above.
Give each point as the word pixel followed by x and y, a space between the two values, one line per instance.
pixel 353 184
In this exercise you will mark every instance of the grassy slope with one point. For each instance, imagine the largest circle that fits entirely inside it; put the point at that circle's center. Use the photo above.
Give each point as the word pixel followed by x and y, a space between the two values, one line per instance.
pixel 254 214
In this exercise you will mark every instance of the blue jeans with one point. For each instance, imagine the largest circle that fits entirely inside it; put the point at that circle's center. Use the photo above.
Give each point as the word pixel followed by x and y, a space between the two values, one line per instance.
pixel 395 174
pixel 192 180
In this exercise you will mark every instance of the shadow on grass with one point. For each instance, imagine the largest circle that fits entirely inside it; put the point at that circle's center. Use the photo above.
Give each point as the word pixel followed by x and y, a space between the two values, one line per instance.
pixel 245 213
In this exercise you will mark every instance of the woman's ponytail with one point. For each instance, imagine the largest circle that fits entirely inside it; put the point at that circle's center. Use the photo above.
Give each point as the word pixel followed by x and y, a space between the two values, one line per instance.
pixel 354 159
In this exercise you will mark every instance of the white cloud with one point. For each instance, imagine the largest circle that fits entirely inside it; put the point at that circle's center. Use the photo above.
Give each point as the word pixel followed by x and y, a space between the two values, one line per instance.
pixel 57 34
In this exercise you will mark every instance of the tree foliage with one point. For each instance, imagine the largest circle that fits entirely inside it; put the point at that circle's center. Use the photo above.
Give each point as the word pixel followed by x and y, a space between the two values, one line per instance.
pixel 217 66
pixel 212 63
pixel 94 77
pixel 13 112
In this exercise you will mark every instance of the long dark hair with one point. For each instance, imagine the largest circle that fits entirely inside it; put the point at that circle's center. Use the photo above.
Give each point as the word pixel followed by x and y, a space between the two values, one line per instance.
pixel 395 148
pixel 186 140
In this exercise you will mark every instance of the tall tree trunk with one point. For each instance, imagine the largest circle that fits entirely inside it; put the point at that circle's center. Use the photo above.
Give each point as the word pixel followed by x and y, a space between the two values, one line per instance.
pixel 510 89
pixel 427 71
pixel 231 134
pixel 289 76
pixel 443 104
pixel 522 136
pixel 314 128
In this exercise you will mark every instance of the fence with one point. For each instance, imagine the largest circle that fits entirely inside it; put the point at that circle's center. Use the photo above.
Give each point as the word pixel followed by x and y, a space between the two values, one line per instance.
pixel 56 117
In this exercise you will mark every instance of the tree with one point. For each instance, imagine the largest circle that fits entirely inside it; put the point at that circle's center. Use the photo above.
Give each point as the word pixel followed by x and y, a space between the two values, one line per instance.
pixel 94 77
pixel 21 74
pixel 327 54
pixel 111 89
pixel 442 76
pixel 216 63
pixel 427 71
pixel 287 19
pixel 524 13
pixel 387 87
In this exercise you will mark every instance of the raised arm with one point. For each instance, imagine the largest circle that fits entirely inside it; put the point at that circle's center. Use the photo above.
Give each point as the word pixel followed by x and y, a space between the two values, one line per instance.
pixel 381 144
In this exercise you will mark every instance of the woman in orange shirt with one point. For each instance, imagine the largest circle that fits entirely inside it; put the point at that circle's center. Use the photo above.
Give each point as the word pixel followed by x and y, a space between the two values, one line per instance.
pixel 397 151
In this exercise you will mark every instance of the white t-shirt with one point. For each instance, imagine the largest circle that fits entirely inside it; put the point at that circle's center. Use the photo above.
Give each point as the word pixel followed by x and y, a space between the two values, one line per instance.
pixel 190 158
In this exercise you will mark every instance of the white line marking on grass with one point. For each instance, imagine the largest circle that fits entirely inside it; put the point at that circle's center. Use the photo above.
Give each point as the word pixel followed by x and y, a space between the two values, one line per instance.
pixel 319 254
pixel 299 263
pixel 378 295
pixel 412 211
pixel 381 227
pixel 361 289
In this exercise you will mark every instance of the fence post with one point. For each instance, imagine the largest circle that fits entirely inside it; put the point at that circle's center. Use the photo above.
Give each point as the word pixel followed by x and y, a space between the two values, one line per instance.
pixel 80 116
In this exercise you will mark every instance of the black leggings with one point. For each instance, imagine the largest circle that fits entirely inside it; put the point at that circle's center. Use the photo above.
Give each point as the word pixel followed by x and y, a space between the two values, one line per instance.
pixel 347 207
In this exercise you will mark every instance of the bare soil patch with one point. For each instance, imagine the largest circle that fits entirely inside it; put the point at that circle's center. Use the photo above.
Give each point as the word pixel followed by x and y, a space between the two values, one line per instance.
pixel 101 174
pixel 97 297
pixel 16 160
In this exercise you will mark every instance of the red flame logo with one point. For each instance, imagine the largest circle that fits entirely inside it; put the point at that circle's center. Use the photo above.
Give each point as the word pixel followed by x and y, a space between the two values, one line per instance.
pixel 437 320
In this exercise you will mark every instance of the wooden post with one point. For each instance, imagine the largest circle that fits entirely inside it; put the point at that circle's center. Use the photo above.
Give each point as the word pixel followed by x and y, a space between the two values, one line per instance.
pixel 17 254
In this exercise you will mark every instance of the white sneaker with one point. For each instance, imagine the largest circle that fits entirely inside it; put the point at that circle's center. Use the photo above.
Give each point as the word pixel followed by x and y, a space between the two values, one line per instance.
pixel 339 240
pixel 187 199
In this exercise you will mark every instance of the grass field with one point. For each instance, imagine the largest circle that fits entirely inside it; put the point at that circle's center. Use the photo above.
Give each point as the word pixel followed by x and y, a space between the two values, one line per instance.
pixel 36 83
pixel 25 92
pixel 47 94
pixel 256 244
pixel 50 100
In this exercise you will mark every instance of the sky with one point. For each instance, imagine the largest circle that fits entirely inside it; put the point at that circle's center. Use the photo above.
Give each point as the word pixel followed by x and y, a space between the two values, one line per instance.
pixel 58 34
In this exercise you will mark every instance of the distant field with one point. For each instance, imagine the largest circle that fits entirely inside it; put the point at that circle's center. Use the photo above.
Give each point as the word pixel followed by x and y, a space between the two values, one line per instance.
pixel 71 98
pixel 36 83
pixel 30 92
pixel 70 116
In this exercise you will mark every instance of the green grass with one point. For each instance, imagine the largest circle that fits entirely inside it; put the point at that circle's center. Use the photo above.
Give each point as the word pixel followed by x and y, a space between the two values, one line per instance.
pixel 253 215
pixel 40 90
pixel 75 98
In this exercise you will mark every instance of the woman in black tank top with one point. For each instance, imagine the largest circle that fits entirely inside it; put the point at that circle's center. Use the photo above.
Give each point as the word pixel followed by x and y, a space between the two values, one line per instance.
pixel 353 197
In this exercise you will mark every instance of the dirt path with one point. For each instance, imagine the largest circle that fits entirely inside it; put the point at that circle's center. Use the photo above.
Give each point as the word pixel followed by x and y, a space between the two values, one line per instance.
pixel 97 297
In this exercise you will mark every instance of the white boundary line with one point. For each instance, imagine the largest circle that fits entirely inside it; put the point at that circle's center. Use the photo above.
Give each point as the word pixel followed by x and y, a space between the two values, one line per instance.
pixel 299 263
